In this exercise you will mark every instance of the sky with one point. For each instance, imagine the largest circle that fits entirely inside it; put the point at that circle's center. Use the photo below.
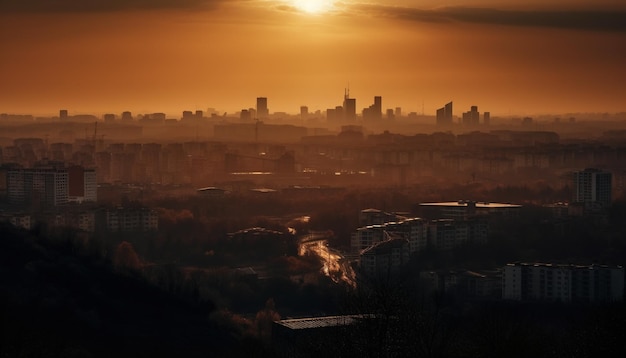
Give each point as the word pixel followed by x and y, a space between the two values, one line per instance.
pixel 509 57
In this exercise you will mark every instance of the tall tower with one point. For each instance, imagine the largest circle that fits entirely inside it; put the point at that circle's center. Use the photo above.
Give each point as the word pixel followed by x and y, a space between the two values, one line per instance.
pixel 261 107
pixel 304 112
pixel 444 114
pixel 349 106
pixel 378 107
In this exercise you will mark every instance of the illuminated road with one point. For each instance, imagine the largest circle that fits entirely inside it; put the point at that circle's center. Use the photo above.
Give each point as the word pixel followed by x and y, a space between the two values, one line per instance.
pixel 335 265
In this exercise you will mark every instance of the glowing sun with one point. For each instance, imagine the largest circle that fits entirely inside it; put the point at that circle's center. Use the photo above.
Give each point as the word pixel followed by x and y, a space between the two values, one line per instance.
pixel 313 6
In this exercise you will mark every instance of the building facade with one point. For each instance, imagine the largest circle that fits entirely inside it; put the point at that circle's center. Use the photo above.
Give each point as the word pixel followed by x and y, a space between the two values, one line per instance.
pixel 35 186
pixel 384 259
pixel 131 220
pixel 562 283
pixel 592 187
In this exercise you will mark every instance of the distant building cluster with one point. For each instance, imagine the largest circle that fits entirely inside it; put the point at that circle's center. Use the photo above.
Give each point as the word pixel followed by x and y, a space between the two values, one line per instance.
pixel 88 219
pixel 385 241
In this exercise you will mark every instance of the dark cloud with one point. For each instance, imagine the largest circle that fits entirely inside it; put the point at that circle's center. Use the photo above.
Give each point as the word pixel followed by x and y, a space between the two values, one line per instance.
pixel 100 5
pixel 595 20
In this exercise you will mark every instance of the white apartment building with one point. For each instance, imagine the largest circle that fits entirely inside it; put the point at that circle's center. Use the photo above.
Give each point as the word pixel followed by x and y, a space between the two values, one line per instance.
pixel 384 258
pixel 414 230
pixel 443 234
pixel 564 283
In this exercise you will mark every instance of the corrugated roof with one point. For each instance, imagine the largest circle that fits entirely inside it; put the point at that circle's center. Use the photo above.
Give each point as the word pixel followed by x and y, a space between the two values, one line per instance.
pixel 321 322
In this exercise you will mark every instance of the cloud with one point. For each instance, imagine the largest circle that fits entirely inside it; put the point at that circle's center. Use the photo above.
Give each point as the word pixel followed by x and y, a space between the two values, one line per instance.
pixel 100 5
pixel 594 20
pixel 287 8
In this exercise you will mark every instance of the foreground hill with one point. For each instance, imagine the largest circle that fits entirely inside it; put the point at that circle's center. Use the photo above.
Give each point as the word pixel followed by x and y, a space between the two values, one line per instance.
pixel 55 302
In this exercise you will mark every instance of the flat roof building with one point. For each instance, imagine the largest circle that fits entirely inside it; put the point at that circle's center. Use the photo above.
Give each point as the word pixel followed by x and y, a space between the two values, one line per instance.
pixel 465 208
pixel 562 282
pixel 592 187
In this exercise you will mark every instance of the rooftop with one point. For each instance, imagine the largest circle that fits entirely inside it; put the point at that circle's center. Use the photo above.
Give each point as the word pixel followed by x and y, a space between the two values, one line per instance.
pixel 556 265
pixel 321 322
pixel 479 204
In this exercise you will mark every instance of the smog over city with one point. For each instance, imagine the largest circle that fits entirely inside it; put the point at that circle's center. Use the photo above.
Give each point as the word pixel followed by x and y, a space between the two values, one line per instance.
pixel 299 178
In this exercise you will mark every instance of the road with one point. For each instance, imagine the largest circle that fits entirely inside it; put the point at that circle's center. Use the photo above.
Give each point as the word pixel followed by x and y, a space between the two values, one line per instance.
pixel 335 265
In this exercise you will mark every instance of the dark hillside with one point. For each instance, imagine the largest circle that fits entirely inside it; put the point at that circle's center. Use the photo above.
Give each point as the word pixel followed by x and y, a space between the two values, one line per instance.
pixel 57 303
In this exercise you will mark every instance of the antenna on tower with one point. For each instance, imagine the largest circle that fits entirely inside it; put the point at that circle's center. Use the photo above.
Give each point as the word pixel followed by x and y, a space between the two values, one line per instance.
pixel 346 93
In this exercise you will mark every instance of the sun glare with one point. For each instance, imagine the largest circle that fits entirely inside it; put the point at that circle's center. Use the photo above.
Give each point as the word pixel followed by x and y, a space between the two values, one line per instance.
pixel 313 6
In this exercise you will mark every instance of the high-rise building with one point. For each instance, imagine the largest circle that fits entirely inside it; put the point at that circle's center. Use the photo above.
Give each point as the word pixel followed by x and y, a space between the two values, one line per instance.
pixel 486 118
pixel 82 184
pixel 390 114
pixel 261 107
pixel 109 118
pixel 349 107
pixel 471 118
pixel 40 186
pixel 63 114
pixel 384 258
pixel 304 112
pixel 444 114
pixel 330 115
pixel 593 188
pixel 374 112
pixel 378 103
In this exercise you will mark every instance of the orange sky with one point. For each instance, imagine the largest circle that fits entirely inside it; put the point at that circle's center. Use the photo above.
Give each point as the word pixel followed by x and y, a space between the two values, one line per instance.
pixel 166 55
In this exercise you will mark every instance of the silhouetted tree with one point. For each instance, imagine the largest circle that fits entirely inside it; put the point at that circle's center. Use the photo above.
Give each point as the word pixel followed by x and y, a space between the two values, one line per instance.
pixel 125 258
pixel 264 320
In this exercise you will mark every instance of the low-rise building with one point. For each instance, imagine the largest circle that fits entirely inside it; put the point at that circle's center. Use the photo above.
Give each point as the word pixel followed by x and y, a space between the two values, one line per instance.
pixel 22 221
pixel 131 220
pixel 464 284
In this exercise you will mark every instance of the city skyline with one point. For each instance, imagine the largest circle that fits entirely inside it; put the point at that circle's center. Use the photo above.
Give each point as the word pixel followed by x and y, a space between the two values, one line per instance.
pixel 110 56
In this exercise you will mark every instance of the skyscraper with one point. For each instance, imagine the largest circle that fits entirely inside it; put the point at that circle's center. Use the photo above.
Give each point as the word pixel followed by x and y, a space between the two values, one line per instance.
pixel 304 112
pixel 349 107
pixel 378 107
pixel 374 112
pixel 592 187
pixel 261 107
pixel 472 117
pixel 444 114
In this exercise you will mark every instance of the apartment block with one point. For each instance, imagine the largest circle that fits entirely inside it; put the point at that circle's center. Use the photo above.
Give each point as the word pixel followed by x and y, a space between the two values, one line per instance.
pixel 563 283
